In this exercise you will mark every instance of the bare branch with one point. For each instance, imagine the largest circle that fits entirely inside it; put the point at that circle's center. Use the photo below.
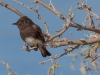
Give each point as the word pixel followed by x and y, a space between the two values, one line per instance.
pixel 67 20
pixel 11 8
pixel 61 32
pixel 60 55
pixel 10 72
pixel 66 41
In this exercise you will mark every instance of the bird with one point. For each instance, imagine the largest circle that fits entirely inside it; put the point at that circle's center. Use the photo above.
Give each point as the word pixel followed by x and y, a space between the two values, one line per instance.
pixel 32 34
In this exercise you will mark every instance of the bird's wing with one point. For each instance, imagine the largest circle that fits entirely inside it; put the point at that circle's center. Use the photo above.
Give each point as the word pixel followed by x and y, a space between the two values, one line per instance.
pixel 39 31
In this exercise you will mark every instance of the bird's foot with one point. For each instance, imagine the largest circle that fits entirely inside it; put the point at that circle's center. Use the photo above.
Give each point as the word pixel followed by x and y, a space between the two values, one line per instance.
pixel 35 48
pixel 26 48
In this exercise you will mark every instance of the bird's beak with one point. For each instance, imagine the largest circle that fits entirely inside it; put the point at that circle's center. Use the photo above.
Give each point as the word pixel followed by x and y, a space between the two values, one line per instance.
pixel 14 24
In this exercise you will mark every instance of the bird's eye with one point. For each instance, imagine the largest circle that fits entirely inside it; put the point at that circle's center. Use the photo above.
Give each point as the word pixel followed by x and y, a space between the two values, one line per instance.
pixel 22 21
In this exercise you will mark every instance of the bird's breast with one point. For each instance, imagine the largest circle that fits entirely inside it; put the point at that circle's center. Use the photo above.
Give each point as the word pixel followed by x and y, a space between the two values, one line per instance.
pixel 32 41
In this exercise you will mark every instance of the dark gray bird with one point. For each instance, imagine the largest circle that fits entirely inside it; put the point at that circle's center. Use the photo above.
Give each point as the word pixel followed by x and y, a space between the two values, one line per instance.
pixel 32 34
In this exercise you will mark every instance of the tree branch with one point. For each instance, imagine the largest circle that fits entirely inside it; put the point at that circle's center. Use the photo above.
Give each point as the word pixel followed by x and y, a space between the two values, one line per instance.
pixel 66 41
pixel 11 8
pixel 67 20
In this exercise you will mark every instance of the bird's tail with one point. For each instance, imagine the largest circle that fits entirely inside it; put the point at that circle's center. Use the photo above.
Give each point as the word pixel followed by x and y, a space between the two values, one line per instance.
pixel 44 51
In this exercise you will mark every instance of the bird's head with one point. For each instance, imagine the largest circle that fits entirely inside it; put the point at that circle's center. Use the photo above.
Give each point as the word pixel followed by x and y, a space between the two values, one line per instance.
pixel 23 22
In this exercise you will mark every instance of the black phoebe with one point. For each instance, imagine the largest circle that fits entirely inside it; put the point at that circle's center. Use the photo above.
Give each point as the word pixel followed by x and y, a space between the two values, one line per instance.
pixel 32 34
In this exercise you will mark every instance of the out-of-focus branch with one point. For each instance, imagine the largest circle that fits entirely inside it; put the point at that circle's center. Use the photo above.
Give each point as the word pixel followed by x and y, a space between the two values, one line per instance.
pixel 88 68
pixel 10 72
pixel 11 8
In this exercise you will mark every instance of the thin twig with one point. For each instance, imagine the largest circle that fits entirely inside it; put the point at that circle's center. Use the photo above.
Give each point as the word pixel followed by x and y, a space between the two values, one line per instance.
pixel 60 55
pixel 10 72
